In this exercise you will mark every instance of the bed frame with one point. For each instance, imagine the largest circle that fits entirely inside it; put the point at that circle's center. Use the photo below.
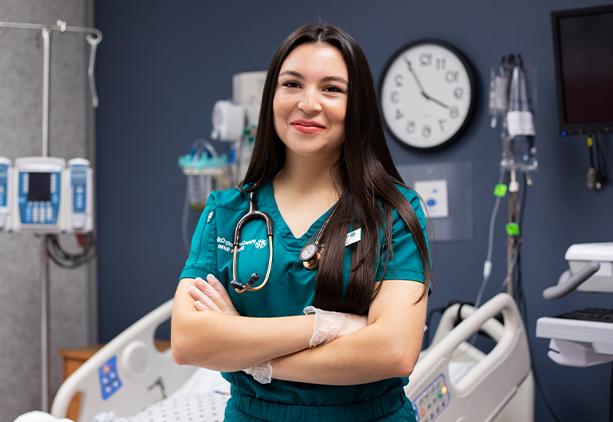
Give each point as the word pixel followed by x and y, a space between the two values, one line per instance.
pixel 129 373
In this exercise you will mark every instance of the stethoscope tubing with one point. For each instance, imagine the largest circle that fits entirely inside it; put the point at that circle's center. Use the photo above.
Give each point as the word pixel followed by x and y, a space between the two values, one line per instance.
pixel 251 215
pixel 309 255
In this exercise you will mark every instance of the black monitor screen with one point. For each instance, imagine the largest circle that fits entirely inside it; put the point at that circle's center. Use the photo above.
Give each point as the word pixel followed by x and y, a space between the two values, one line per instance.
pixel 39 187
pixel 584 61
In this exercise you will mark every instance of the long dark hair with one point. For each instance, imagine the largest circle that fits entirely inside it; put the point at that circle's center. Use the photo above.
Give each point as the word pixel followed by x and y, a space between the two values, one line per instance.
pixel 368 195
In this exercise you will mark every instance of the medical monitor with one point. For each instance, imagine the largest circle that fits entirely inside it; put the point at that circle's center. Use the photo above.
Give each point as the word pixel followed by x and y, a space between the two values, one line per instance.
pixel 39 187
pixel 583 48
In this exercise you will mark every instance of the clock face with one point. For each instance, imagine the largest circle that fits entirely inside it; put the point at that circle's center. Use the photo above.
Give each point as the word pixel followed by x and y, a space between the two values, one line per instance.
pixel 427 94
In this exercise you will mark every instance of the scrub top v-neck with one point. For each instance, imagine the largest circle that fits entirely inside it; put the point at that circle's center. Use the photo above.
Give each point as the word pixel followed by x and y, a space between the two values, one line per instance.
pixel 282 229
pixel 291 287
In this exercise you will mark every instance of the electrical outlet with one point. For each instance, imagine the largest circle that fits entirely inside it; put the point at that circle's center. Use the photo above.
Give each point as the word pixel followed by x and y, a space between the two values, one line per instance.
pixel 434 196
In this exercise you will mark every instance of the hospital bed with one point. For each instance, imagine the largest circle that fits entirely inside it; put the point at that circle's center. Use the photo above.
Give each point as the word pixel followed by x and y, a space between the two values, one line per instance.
pixel 452 381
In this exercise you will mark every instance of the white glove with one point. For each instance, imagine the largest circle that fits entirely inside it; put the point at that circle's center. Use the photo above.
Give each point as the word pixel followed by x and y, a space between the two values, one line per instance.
pixel 262 373
pixel 330 325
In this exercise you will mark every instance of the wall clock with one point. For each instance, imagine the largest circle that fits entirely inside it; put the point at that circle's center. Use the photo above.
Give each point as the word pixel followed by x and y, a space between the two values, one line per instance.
pixel 427 93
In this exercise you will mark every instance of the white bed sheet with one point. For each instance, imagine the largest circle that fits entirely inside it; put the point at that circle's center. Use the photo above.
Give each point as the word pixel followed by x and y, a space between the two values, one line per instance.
pixel 202 398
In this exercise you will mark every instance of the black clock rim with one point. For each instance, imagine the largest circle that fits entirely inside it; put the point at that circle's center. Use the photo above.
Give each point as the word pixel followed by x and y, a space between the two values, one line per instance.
pixel 471 81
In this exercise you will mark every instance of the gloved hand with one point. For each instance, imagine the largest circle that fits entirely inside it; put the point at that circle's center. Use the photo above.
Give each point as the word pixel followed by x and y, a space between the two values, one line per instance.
pixel 330 325
pixel 262 373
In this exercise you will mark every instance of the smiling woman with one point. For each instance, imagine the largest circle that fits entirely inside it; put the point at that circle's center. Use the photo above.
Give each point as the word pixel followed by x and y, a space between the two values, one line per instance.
pixel 337 338
pixel 312 101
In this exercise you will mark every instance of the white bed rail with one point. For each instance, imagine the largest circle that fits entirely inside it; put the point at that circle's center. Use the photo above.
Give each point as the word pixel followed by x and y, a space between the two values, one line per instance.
pixel 483 392
pixel 126 375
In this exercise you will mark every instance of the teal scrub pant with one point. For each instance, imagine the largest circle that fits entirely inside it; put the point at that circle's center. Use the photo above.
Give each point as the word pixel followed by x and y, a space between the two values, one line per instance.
pixel 393 407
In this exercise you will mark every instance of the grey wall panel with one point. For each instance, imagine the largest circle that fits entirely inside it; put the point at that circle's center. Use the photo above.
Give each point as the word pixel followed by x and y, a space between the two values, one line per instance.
pixel 20 135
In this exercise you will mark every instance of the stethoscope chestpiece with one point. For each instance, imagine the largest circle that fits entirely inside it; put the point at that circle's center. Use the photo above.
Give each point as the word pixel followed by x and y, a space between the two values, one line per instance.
pixel 308 252
pixel 309 255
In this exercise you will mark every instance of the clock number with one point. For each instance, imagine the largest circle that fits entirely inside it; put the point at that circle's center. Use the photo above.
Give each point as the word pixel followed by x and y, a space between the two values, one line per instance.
pixel 458 93
pixel 454 112
pixel 452 76
pixel 398 80
pixel 395 99
pixel 410 126
pixel 426 131
pixel 399 114
pixel 441 123
pixel 440 64
pixel 425 59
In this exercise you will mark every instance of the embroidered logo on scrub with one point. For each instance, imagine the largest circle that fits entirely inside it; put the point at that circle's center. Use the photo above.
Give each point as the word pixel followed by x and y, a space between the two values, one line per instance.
pixel 226 245
pixel 210 216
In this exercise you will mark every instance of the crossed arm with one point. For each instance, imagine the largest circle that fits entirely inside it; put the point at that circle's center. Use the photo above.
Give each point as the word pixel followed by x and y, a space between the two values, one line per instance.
pixel 220 339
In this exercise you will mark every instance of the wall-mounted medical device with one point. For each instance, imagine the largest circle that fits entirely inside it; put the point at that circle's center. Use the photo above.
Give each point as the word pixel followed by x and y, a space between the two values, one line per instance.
pixel 236 121
pixel 46 195
pixel 232 120
pixel 584 337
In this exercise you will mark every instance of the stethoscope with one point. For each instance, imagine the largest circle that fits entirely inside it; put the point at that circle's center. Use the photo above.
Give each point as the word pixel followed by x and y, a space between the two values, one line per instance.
pixel 309 254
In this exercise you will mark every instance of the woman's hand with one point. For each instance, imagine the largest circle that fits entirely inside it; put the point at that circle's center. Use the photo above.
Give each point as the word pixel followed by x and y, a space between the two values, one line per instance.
pixel 211 296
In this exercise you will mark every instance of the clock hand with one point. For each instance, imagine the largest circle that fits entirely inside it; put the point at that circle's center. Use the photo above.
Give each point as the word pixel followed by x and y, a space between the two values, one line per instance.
pixel 421 88
pixel 434 100
pixel 417 81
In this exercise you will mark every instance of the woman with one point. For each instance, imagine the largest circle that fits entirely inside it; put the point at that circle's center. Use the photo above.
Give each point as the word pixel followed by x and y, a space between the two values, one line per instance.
pixel 322 171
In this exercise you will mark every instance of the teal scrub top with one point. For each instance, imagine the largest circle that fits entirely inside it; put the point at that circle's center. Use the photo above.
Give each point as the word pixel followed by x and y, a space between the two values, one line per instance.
pixel 291 287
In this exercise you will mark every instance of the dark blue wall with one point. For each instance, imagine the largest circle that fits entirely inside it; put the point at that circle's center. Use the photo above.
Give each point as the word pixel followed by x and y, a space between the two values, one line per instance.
pixel 163 64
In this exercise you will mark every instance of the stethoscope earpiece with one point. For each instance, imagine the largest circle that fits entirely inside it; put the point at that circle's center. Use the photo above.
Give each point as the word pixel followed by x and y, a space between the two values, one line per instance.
pixel 240 287
pixel 236 285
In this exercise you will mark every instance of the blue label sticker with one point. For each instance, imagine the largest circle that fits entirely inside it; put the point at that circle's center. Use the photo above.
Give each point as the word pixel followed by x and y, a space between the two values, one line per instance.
pixel 109 378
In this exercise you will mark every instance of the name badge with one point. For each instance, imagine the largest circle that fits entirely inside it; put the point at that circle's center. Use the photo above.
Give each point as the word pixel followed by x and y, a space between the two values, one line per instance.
pixel 353 237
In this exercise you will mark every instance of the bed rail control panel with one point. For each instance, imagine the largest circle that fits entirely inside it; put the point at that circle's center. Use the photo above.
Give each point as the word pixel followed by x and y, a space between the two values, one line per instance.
pixel 109 378
pixel 432 401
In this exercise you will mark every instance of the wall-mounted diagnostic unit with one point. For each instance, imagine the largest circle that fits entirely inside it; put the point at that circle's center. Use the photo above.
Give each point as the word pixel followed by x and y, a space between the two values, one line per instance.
pixel 44 195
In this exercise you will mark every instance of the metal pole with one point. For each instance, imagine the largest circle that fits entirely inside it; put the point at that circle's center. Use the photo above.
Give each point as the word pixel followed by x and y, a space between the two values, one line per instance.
pixel 92 265
pixel 510 244
pixel 46 34
pixel 44 321
pixel 44 328
pixel 513 233
pixel 61 26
